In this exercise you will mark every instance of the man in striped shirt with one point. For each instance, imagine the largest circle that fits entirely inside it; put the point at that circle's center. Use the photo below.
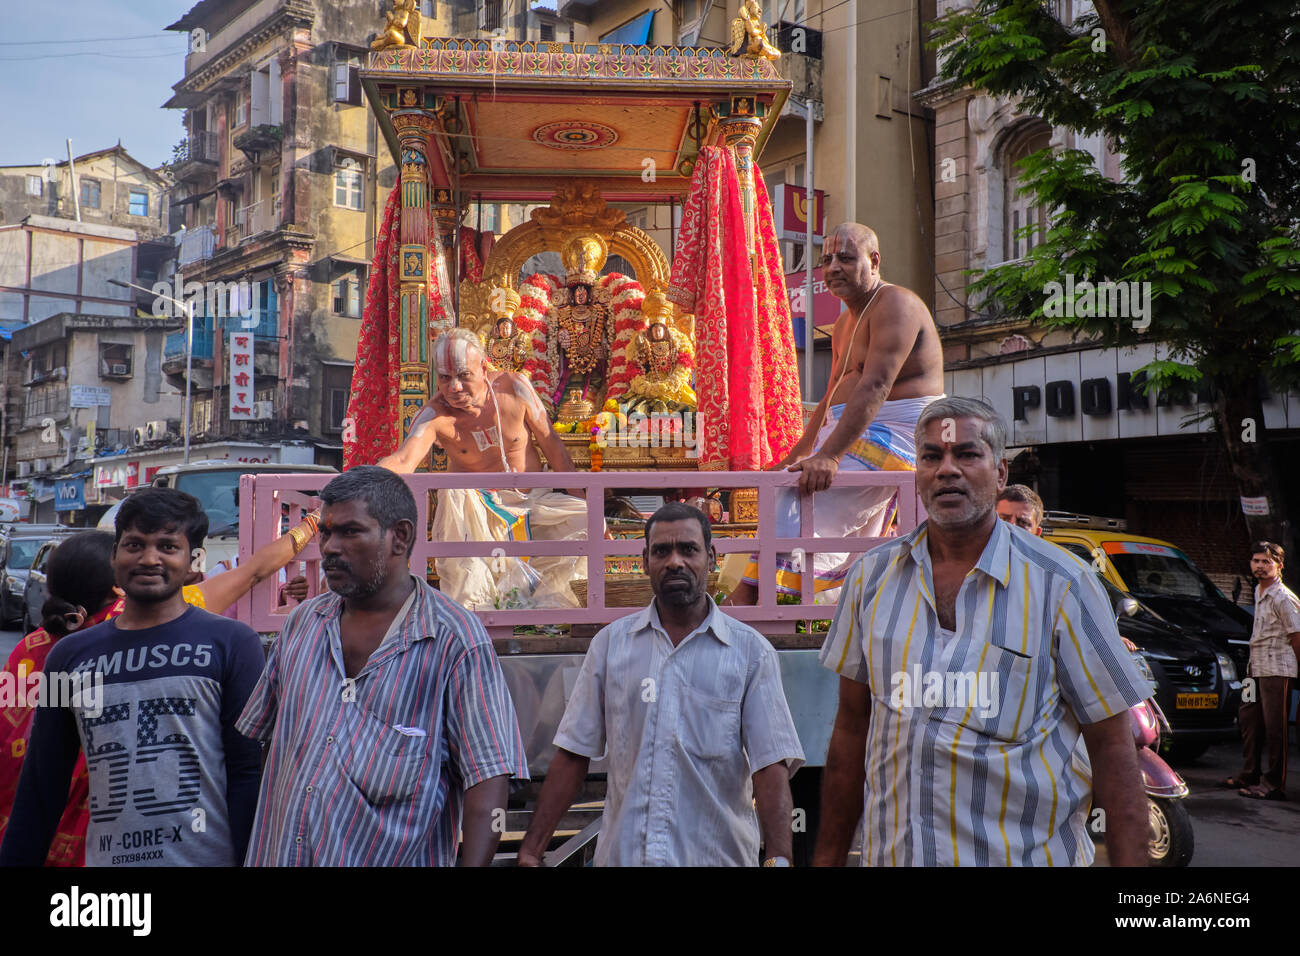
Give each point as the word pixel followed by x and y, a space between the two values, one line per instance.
pixel 972 656
pixel 390 726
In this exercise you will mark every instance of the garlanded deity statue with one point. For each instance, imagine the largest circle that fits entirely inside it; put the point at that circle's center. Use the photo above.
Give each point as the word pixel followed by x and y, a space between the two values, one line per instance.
pixel 749 33
pixel 403 27
pixel 507 347
pixel 582 323
pixel 661 355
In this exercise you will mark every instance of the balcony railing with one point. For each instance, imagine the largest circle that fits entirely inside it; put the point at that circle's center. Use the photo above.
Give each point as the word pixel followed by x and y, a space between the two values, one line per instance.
pixel 174 346
pixel 197 244
pixel 202 147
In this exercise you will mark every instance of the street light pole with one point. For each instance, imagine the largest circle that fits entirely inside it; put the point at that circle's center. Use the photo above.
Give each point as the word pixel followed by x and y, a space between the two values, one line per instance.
pixel 188 310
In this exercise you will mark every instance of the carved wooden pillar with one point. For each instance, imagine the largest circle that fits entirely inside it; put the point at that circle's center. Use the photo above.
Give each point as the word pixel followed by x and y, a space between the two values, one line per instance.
pixel 413 128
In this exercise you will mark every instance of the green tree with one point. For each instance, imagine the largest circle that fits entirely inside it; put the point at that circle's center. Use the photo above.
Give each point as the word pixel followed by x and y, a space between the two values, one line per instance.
pixel 1200 98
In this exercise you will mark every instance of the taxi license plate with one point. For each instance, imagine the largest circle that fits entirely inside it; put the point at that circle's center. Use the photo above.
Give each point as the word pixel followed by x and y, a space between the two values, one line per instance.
pixel 1197 701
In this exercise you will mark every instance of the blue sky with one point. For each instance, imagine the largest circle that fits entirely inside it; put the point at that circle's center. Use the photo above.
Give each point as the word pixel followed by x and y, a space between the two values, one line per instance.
pixel 52 91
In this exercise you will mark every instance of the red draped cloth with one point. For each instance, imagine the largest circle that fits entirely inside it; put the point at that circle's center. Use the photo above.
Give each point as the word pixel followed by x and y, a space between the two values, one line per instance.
pixel 747 377
pixel 373 405
pixel 69 845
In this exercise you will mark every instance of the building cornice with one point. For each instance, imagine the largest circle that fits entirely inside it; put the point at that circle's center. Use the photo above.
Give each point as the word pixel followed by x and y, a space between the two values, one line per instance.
pixel 940 93
pixel 297 13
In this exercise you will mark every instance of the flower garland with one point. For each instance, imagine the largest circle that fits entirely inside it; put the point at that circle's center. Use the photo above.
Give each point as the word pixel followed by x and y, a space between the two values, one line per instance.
pixel 626 296
pixel 535 296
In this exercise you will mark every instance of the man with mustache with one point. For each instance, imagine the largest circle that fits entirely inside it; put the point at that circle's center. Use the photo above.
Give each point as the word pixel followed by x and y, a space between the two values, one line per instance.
pixel 1274 646
pixel 487 420
pixel 965 594
pixel 172 782
pixel 886 366
pixel 390 727
pixel 685 703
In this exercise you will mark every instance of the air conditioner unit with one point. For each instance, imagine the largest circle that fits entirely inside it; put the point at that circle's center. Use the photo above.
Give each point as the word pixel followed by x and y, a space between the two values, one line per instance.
pixel 139 435
pixel 156 430
pixel 264 410
pixel 41 465
pixel 24 469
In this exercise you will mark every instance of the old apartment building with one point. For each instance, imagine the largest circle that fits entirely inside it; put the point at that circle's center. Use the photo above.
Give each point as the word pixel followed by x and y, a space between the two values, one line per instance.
pixel 112 188
pixel 281 182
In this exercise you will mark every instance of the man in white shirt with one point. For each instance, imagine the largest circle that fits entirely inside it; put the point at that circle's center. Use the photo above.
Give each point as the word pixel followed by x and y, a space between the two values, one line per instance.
pixel 1274 642
pixel 687 706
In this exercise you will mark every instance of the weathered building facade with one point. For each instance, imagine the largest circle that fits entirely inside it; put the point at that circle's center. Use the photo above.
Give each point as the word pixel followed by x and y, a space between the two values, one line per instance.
pixel 108 187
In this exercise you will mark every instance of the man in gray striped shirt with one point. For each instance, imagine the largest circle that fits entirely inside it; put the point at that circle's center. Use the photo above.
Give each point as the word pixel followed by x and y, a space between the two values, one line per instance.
pixel 392 734
pixel 972 657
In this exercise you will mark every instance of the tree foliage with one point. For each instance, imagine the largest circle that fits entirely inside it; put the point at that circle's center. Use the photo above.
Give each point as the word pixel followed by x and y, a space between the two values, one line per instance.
pixel 1202 100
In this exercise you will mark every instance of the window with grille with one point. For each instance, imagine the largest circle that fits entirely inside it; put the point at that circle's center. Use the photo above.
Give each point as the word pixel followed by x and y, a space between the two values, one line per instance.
pixel 489 14
pixel 1020 211
pixel 90 194
pixel 348 184
pixel 547 31
pixel 139 202
pixel 34 185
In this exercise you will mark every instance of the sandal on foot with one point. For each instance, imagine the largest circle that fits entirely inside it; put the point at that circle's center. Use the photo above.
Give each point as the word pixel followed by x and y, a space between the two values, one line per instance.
pixel 1236 783
pixel 1258 792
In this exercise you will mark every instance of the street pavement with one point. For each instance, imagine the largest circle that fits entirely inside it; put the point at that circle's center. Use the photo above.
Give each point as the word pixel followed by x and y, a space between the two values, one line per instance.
pixel 1230 830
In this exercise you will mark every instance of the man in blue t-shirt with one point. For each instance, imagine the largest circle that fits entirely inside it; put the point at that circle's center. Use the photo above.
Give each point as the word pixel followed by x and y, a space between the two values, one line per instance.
pixel 152 697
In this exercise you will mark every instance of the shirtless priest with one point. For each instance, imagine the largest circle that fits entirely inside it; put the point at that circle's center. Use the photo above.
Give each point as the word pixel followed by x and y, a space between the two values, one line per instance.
pixel 483 420
pixel 886 366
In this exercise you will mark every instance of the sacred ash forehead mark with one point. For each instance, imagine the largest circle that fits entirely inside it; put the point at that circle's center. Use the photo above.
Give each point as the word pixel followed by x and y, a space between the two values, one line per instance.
pixel 451 354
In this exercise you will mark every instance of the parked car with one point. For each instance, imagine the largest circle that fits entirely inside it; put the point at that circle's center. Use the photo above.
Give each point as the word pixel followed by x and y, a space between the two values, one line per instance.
pixel 1160 576
pixel 36 590
pixel 17 555
pixel 1195 683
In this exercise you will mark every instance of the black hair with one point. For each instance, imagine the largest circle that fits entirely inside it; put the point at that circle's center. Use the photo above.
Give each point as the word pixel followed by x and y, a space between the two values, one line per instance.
pixel 388 498
pixel 155 509
pixel 1274 551
pixel 679 511
pixel 79 572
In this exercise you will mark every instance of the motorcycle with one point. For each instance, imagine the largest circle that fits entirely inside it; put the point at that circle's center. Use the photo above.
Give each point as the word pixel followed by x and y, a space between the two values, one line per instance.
pixel 1172 841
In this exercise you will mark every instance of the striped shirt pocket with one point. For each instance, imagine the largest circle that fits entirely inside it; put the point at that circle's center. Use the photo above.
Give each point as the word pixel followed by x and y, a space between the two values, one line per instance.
pixel 995 682
pixel 386 764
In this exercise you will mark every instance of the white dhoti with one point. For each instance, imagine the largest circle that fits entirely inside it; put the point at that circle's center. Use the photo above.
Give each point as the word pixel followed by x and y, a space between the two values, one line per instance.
pixel 888 444
pixel 509 515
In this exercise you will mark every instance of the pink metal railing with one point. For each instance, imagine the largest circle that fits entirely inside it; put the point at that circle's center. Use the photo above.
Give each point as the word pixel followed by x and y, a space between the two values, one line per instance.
pixel 263 498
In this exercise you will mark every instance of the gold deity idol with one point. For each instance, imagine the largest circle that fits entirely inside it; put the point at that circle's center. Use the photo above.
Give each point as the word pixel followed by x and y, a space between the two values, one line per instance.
pixel 749 34
pixel 584 320
pixel 403 28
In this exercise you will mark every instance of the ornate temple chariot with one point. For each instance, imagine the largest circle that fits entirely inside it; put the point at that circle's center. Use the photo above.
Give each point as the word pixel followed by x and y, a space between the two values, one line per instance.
pixel 583 129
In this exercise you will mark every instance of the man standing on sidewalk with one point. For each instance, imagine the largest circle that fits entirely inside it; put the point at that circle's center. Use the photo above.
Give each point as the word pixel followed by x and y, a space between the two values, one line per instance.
pixel 1274 644
pixel 686 705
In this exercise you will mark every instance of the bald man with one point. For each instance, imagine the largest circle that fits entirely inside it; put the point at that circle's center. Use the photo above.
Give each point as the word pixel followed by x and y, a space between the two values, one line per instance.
pixel 485 420
pixel 887 365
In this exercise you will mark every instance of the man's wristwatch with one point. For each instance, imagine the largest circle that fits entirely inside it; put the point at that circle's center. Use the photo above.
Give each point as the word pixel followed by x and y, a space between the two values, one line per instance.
pixel 776 861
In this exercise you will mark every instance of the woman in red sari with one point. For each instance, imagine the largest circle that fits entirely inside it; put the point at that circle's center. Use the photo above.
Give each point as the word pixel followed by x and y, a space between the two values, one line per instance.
pixel 79 578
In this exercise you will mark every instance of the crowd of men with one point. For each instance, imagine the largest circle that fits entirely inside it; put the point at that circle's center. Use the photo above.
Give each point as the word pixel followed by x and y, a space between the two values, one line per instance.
pixel 379 730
